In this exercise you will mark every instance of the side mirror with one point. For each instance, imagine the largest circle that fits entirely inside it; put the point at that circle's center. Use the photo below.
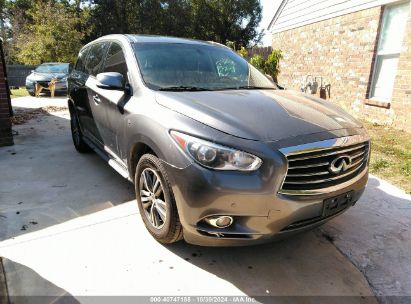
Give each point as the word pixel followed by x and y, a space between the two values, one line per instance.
pixel 110 81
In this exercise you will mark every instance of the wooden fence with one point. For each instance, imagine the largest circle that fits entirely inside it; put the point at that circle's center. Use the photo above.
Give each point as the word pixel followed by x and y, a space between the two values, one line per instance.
pixel 262 51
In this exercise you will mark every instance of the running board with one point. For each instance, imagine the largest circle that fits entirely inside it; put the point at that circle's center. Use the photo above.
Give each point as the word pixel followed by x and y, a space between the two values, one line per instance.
pixel 120 168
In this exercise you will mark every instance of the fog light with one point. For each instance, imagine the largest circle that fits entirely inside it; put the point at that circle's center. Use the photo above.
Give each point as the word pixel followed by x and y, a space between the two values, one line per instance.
pixel 222 221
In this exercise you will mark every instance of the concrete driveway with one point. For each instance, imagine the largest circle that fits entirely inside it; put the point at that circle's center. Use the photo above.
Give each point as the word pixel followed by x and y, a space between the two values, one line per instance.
pixel 69 226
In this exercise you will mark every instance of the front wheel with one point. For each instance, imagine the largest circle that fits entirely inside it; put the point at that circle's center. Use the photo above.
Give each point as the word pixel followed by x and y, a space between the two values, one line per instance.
pixel 156 201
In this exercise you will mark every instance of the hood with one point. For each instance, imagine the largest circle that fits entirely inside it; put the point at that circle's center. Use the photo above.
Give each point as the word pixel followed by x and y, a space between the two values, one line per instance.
pixel 265 115
pixel 36 76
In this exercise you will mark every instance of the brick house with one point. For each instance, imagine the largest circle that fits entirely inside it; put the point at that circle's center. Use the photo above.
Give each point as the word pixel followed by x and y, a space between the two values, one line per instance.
pixel 6 138
pixel 355 53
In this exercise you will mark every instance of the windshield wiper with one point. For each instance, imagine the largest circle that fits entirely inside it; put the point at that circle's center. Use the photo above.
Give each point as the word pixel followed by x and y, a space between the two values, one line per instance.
pixel 183 88
pixel 248 88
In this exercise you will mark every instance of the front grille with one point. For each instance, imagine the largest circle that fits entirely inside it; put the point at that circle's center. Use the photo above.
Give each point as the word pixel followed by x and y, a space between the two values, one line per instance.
pixel 311 170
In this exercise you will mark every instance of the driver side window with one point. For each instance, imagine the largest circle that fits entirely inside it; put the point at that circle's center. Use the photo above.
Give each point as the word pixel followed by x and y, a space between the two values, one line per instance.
pixel 116 61
pixel 95 58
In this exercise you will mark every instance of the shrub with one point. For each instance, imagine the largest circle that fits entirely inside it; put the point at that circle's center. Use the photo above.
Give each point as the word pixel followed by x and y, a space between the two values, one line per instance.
pixel 258 62
pixel 272 64
pixel 231 45
pixel 242 52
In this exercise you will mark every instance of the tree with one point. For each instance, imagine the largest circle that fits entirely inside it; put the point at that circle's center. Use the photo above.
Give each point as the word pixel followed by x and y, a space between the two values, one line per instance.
pixel 227 20
pixel 165 17
pixel 53 34
pixel 13 17
pixel 54 30
pixel 216 20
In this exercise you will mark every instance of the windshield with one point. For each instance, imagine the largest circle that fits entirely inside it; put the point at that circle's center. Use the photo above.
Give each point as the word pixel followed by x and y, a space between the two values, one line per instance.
pixel 53 68
pixel 168 66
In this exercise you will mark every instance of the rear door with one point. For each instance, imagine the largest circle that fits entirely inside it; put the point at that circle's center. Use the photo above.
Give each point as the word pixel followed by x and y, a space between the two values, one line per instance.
pixel 94 65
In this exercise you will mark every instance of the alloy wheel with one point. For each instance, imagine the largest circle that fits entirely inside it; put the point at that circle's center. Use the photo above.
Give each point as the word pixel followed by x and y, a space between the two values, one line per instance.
pixel 152 198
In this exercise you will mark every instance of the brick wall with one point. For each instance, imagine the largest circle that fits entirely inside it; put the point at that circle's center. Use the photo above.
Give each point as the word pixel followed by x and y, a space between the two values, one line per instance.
pixel 342 51
pixel 6 138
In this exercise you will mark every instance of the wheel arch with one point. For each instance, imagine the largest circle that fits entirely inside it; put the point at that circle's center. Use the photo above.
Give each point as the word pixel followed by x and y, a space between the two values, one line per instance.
pixel 70 104
pixel 137 150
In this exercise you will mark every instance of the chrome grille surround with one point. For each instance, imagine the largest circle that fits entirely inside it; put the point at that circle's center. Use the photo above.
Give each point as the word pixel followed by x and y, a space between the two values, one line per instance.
pixel 309 173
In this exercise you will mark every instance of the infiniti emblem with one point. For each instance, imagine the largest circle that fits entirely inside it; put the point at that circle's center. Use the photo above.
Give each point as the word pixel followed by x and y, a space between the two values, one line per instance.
pixel 340 164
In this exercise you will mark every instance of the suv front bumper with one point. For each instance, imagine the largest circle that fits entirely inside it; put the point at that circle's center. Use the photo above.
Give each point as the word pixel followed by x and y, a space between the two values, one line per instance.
pixel 260 213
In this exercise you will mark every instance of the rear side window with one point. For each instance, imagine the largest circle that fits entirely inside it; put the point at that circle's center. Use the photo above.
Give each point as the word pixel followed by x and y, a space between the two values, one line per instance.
pixel 95 58
pixel 115 60
pixel 81 60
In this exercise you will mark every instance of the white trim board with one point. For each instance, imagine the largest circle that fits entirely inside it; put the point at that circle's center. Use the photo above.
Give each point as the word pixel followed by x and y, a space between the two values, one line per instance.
pixel 297 13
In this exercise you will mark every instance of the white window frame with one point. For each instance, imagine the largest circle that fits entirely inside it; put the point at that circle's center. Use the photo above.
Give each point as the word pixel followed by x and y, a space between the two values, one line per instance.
pixel 382 54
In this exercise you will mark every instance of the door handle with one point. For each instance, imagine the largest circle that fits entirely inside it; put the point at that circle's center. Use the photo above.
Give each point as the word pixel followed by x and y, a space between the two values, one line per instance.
pixel 96 99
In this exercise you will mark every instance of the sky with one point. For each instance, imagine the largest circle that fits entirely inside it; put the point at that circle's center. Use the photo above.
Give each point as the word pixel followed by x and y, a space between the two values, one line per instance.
pixel 269 8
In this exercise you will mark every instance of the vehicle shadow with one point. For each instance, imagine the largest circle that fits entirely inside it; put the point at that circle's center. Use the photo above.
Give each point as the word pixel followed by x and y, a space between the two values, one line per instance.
pixel 45 181
pixel 304 265
pixel 323 262
pixel 19 277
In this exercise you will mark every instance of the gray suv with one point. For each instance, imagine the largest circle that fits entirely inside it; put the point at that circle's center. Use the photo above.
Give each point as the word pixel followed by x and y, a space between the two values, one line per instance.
pixel 218 154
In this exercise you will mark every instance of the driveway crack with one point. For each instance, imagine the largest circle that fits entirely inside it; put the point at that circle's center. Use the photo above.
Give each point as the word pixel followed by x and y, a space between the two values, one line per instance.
pixel 331 239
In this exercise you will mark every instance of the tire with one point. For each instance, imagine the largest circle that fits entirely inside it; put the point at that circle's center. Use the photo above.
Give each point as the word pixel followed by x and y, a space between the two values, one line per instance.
pixel 76 133
pixel 31 93
pixel 153 203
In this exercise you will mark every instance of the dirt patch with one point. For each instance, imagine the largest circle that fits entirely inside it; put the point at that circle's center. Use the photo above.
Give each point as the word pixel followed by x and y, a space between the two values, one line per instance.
pixel 22 116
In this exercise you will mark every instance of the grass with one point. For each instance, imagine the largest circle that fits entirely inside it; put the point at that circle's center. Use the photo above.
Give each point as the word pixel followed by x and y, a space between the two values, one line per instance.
pixel 391 155
pixel 20 92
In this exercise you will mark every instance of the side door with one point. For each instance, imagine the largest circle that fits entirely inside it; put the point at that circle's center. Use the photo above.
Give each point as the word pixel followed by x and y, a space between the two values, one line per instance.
pixel 94 65
pixel 115 99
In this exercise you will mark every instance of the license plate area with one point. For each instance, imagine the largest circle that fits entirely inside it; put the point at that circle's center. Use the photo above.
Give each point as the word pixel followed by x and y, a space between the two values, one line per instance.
pixel 336 204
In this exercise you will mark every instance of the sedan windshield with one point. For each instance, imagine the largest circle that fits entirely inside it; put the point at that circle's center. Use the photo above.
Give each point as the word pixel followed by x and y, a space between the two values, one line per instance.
pixel 196 67
pixel 53 68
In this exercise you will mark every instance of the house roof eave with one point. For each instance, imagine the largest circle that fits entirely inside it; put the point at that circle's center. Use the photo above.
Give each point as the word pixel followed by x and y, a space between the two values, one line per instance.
pixel 277 14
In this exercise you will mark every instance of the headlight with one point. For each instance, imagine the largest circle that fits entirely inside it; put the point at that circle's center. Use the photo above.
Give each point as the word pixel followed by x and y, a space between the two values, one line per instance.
pixel 214 156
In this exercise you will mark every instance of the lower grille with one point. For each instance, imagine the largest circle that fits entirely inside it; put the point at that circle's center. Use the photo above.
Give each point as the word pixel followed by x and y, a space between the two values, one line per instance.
pixel 311 221
pixel 320 168
pixel 44 84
